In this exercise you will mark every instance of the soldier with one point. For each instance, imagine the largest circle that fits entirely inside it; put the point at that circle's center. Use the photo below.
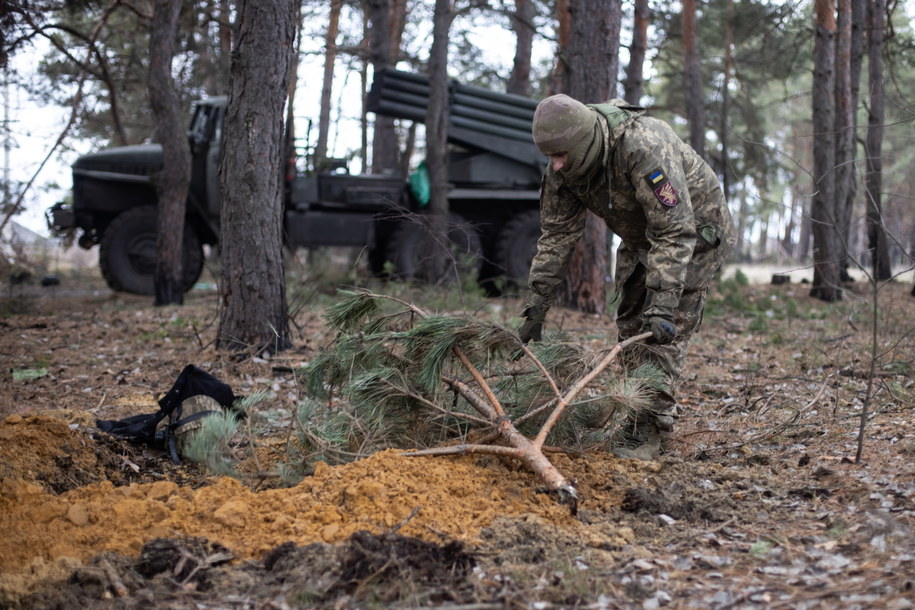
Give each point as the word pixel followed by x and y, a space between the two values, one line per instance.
pixel 664 202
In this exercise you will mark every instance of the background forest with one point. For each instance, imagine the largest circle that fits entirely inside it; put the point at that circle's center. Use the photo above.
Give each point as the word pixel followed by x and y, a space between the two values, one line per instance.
pixel 755 62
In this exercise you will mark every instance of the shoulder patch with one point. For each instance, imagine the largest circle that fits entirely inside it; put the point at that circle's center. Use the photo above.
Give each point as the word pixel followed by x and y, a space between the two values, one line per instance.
pixel 662 188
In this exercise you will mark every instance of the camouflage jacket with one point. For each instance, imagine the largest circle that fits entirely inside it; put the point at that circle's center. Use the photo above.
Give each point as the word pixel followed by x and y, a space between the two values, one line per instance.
pixel 657 195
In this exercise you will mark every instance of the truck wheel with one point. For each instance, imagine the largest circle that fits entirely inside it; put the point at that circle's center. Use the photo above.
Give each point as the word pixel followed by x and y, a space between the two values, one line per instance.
pixel 517 244
pixel 410 248
pixel 128 252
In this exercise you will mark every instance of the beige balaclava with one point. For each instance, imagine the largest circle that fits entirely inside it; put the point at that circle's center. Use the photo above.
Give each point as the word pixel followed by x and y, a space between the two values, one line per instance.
pixel 564 125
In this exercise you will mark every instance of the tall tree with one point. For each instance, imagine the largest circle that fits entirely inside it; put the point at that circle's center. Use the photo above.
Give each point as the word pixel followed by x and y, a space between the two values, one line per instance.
pixel 822 208
pixel 856 51
pixel 844 132
pixel 213 17
pixel 726 98
pixel 692 79
pixel 385 149
pixel 253 290
pixel 590 68
pixel 522 24
pixel 173 180
pixel 330 55
pixel 563 34
pixel 437 133
pixel 632 85
pixel 876 230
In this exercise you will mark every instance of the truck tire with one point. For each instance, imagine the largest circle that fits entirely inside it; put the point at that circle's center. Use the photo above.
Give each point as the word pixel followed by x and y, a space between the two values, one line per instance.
pixel 410 247
pixel 128 252
pixel 516 245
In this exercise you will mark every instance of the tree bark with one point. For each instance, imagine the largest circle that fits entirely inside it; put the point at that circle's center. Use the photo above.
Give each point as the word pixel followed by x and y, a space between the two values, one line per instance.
pixel 173 180
pixel 398 23
pixel 330 55
pixel 591 56
pixel 858 46
pixel 437 136
pixel 726 99
pixel 289 149
pixel 253 291
pixel 522 23
pixel 590 75
pixel 876 230
pixel 563 34
pixel 823 206
pixel 692 79
pixel 788 237
pixel 743 214
pixel 214 53
pixel 385 149
pixel 845 135
pixel 635 80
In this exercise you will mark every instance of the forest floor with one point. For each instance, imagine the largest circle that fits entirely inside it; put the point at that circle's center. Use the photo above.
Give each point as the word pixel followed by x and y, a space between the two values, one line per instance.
pixel 761 502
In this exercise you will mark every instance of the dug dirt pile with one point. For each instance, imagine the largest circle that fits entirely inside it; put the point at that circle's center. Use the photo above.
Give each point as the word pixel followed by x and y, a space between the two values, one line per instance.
pixel 46 451
pixel 44 534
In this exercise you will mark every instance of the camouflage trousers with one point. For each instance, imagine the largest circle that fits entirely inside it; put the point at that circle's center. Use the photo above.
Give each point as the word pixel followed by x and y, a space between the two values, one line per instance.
pixel 631 273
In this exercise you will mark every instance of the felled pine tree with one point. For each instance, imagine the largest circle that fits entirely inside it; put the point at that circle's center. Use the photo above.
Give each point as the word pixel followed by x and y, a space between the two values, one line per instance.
pixel 398 376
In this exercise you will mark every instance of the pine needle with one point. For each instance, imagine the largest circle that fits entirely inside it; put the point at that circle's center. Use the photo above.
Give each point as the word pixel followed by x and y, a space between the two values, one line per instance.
pixel 389 365
pixel 209 444
pixel 349 313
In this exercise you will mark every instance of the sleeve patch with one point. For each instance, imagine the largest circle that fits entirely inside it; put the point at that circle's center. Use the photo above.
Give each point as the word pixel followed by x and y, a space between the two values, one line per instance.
pixel 662 188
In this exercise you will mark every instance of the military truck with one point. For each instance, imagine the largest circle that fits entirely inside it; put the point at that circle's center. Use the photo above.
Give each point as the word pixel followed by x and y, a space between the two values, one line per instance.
pixel 494 179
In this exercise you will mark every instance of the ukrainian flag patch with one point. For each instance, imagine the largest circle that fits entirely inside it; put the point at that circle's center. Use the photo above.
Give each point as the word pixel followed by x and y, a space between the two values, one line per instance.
pixel 662 188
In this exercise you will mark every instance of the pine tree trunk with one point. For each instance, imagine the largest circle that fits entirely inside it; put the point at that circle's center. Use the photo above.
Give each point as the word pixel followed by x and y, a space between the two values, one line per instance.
pixel 858 46
pixel 522 23
pixel 437 135
pixel 291 152
pixel 635 80
pixel 692 79
pixel 385 149
pixel 876 231
pixel 803 242
pixel 558 82
pixel 823 208
pixel 173 180
pixel 726 100
pixel 845 135
pixel 591 70
pixel 743 213
pixel 253 290
pixel 330 56
pixel 788 237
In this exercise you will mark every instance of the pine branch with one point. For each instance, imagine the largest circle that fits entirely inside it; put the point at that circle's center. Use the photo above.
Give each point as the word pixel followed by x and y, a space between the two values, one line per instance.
pixel 579 385
pixel 392 365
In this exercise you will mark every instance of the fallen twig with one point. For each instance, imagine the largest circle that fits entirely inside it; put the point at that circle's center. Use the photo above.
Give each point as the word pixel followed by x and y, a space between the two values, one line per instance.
pixel 406 520
pixel 117 585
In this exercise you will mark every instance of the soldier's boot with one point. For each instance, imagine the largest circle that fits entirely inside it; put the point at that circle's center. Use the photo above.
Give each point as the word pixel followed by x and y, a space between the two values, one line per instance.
pixel 645 438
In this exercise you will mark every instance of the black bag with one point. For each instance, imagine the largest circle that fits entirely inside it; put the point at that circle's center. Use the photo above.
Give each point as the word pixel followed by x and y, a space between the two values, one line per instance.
pixel 142 428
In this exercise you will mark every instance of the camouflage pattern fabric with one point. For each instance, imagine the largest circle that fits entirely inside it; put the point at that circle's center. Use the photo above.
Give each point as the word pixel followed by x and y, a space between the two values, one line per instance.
pixel 199 403
pixel 667 206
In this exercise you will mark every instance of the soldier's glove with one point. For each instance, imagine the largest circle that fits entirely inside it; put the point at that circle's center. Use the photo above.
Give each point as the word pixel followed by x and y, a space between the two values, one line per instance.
pixel 662 330
pixel 534 314
pixel 532 328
